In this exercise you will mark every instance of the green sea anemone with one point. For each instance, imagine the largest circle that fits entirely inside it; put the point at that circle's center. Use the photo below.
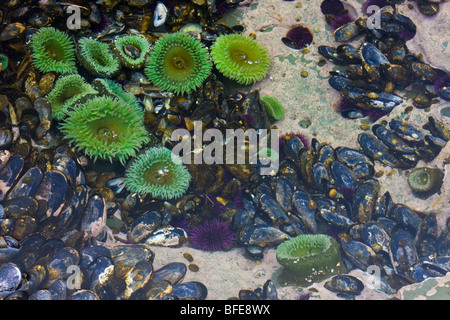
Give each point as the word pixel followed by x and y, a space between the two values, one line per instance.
pixel 67 91
pixel 3 62
pixel 178 63
pixel 273 107
pixel 158 172
pixel 425 181
pixel 131 50
pixel 240 58
pixel 107 128
pixel 112 88
pixel 52 50
pixel 312 256
pixel 97 58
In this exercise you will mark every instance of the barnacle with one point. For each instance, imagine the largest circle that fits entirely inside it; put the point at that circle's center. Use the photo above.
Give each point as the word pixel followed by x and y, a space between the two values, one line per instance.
pixel 97 58
pixel 131 50
pixel 106 128
pixel 67 91
pixel 310 254
pixel 273 107
pixel 240 58
pixel 178 63
pixel 52 50
pixel 425 181
pixel 158 172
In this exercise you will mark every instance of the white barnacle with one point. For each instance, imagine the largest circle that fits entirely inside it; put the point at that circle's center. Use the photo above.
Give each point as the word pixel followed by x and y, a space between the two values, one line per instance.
pixel 160 15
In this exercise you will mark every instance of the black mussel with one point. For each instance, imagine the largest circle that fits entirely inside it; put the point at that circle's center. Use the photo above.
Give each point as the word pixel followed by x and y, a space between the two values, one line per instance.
pixel 100 273
pixel 193 290
pixel 248 295
pixel 52 189
pixel 144 226
pixel 326 154
pixel 333 213
pixel 161 290
pixel 305 208
pixel 91 253
pixel 84 295
pixel 243 217
pixel 58 266
pixel 273 209
pixel 20 206
pixel 42 294
pixel 27 184
pixel 262 235
pixel 283 190
pixel 375 236
pixel 173 273
pixel 372 56
pixel 343 176
pixel 430 147
pixel 383 206
pixel 9 248
pixel 94 219
pixel 406 218
pixel 387 224
pixel 269 291
pixel 396 73
pixel 322 178
pixel 125 257
pixel 167 236
pixel 377 150
pixel 403 252
pixel 58 290
pixel 6 138
pixel 10 277
pixel 254 252
pixel 292 145
pixel 425 270
pixel 360 254
pixel 364 199
pixel 137 278
pixel 426 246
pixel 9 173
pixel 347 32
pixel 392 140
pixel 361 164
pixel 345 285
pixel 422 71
pixel 437 128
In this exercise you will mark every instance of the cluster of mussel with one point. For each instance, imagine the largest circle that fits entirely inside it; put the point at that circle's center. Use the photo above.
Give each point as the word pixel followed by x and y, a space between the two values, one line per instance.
pixel 54 239
pixel 401 144
pixel 329 190
pixel 370 76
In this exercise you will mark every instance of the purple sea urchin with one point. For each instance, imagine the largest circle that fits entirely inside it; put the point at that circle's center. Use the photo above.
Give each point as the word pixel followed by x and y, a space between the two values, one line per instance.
pixel 158 172
pixel 107 128
pixel 97 58
pixel 240 58
pixel 52 50
pixel 178 63
pixel 213 235
pixel 68 90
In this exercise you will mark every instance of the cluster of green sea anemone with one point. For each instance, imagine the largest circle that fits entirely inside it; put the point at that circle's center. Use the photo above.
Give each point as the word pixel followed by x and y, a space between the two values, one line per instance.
pixel 310 255
pixel 178 63
pixel 425 181
pixel 67 91
pixel 274 108
pixel 106 128
pixel 97 58
pixel 131 50
pixel 158 172
pixel 240 58
pixel 52 50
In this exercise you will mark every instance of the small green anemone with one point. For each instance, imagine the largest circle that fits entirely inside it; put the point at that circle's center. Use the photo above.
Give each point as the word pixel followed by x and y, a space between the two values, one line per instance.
pixel 178 63
pixel 67 91
pixel 240 58
pixel 312 256
pixel 131 50
pixel 97 58
pixel 158 172
pixel 52 50
pixel 425 181
pixel 273 107
pixel 107 128
pixel 3 62
pixel 112 88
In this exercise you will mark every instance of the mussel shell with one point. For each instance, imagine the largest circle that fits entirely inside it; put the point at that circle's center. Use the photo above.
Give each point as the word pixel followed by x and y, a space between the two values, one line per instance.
pixel 100 272
pixel 302 204
pixel 190 290
pixel 371 55
pixel 364 199
pixel 10 277
pixel 137 278
pixel 359 254
pixel 333 213
pixel 84 295
pixel 59 264
pixel 173 272
pixel 52 189
pixel 406 217
pixel 273 209
pixel 91 253
pixel 343 176
pixel 27 184
pixel 20 206
pixel 125 257
pixel 392 140
pixel 262 235
pixel 345 284
pixel 375 236
pixel 144 226
pixel 403 252
pixel 9 173
pixel 94 219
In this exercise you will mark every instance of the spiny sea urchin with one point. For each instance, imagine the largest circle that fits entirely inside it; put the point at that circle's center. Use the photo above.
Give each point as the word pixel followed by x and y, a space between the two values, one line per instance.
pixel 158 172
pixel 178 63
pixel 131 50
pixel 240 58
pixel 67 91
pixel 213 235
pixel 107 128
pixel 97 58
pixel 310 255
pixel 52 50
